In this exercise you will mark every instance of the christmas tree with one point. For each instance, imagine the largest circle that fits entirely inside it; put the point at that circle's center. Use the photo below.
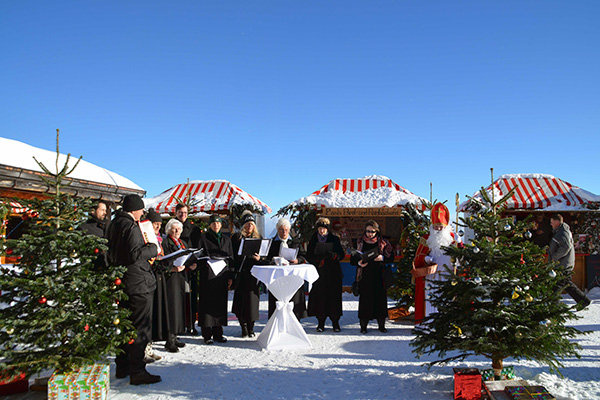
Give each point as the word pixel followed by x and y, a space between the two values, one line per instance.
pixel 502 300
pixel 58 312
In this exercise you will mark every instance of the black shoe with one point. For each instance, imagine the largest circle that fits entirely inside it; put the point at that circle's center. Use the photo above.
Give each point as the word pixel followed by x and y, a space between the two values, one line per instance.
pixel 178 343
pixel 336 326
pixel 251 334
pixel 144 378
pixel 245 330
pixel 171 348
pixel 382 329
pixel 251 329
pixel 221 339
pixel 320 328
pixel 148 360
pixel 208 341
pixel 122 372
pixel 363 329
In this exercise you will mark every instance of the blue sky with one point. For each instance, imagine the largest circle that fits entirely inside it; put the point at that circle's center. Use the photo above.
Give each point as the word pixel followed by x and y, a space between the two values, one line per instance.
pixel 280 97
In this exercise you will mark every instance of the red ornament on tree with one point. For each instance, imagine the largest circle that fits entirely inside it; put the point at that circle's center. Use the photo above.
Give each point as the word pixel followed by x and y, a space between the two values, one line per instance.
pixel 86 327
pixel 522 261
pixel 9 251
pixel 42 300
pixel 117 281
pixel 132 341
pixel 96 251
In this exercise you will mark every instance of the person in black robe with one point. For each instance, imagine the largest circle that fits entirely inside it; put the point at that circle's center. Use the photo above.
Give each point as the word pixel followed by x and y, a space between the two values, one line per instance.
pixel 175 284
pixel 372 302
pixel 212 288
pixel 246 298
pixel 283 239
pixel 325 299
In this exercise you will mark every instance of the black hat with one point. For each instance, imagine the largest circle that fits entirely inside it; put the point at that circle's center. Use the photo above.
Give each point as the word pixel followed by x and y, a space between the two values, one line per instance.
pixel 132 202
pixel 215 218
pixel 247 217
pixel 153 216
pixel 323 222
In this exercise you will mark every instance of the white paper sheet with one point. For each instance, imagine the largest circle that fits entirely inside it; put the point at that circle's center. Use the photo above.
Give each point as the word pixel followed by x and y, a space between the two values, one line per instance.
pixel 288 253
pixel 217 266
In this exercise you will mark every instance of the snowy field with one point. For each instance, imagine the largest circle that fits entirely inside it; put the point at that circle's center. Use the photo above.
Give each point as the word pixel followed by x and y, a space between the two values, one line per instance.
pixel 345 365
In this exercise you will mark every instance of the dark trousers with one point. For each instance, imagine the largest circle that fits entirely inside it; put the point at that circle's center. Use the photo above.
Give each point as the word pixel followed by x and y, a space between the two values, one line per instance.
pixel 140 306
pixel 209 332
pixel 572 290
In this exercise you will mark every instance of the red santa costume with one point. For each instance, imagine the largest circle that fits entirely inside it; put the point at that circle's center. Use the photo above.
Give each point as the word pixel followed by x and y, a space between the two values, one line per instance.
pixel 430 252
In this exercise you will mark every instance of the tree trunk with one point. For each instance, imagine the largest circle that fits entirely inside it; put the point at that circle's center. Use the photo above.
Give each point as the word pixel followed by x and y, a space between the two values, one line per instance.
pixel 497 365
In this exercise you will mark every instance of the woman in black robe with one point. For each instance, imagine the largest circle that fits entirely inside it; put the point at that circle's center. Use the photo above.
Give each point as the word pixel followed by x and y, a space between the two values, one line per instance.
pixel 325 299
pixel 175 283
pixel 212 288
pixel 372 303
pixel 246 298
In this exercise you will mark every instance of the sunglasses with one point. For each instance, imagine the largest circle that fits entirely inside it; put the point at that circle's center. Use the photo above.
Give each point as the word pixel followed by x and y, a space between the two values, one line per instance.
pixel 370 231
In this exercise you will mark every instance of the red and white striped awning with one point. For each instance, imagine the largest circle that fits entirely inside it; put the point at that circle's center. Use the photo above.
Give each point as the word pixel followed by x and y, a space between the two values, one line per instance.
pixel 372 191
pixel 214 195
pixel 15 208
pixel 537 191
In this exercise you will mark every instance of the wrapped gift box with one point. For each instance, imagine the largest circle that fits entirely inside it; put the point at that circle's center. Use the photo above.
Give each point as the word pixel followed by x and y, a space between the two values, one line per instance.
pixel 14 384
pixel 89 382
pixel 528 392
pixel 508 373
pixel 467 384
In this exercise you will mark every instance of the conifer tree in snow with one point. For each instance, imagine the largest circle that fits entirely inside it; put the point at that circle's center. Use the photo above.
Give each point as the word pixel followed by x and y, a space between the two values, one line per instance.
pixel 502 301
pixel 58 312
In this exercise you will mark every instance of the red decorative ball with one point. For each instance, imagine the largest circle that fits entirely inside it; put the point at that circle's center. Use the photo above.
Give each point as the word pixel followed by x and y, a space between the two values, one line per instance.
pixel 86 327
pixel 42 300
pixel 9 251
pixel 117 281
pixel 96 251
pixel 132 341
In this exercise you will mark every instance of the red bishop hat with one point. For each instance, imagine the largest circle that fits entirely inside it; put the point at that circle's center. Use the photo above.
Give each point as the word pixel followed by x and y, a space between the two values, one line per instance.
pixel 440 215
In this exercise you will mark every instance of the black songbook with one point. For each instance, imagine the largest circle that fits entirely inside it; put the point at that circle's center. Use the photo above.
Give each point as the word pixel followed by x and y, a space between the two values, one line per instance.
pixel 252 246
pixel 369 255
pixel 323 248
pixel 176 254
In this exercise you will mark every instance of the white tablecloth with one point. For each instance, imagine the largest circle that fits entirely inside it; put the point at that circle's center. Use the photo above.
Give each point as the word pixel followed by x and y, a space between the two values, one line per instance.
pixel 283 331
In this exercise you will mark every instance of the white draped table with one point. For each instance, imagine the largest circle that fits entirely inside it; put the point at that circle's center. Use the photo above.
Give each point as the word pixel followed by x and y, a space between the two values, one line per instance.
pixel 283 330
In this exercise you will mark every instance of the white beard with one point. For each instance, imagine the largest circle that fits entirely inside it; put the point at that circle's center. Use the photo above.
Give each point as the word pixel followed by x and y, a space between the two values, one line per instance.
pixel 438 239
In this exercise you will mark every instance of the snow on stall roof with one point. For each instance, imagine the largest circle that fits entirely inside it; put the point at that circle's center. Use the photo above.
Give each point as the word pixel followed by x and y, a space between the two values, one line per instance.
pixel 351 193
pixel 541 192
pixel 20 155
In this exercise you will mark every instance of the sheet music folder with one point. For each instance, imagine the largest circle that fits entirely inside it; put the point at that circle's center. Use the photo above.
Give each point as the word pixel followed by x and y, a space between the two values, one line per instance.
pixel 252 246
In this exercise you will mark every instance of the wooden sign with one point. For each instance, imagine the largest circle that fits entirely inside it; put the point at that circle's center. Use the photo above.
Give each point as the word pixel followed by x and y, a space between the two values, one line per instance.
pixel 362 212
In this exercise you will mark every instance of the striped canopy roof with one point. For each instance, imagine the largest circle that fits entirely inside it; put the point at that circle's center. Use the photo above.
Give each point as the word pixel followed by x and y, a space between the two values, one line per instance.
pixel 214 195
pixel 538 192
pixel 15 208
pixel 372 191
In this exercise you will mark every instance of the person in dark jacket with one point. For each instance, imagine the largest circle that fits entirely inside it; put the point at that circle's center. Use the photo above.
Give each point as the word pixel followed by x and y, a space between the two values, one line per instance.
pixel 562 251
pixel 325 298
pixel 126 246
pixel 189 235
pixel 96 225
pixel 213 287
pixel 283 239
pixel 372 302
pixel 175 283
pixel 246 298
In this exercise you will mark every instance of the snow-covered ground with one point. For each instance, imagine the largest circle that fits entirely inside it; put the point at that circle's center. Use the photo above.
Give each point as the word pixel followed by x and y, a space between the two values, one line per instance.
pixel 345 365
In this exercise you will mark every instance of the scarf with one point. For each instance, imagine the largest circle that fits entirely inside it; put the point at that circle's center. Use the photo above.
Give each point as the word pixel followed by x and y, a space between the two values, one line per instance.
pixel 216 235
pixel 178 243
pixel 322 239
pixel 385 248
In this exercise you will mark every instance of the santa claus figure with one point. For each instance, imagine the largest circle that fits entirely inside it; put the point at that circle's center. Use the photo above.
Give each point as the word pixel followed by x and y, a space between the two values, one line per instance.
pixel 430 253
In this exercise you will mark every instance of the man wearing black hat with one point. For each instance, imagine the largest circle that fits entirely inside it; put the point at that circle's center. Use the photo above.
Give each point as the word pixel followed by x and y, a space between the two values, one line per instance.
pixel 126 246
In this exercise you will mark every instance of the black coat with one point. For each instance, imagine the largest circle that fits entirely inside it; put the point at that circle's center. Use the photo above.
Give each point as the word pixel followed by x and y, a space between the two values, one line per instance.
pixel 212 303
pixel 299 298
pixel 246 297
pixel 372 303
pixel 160 311
pixel 126 247
pixel 175 285
pixel 325 299
pixel 96 227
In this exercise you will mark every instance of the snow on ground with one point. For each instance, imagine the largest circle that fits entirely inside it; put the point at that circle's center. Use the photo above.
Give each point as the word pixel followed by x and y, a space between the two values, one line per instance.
pixel 345 365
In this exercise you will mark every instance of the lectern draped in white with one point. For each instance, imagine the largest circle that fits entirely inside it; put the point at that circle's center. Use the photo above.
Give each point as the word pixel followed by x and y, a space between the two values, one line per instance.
pixel 283 331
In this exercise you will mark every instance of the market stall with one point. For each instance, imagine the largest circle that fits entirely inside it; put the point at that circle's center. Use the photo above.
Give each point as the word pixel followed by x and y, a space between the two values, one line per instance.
pixel 540 196
pixel 206 197
pixel 22 178
pixel 349 203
